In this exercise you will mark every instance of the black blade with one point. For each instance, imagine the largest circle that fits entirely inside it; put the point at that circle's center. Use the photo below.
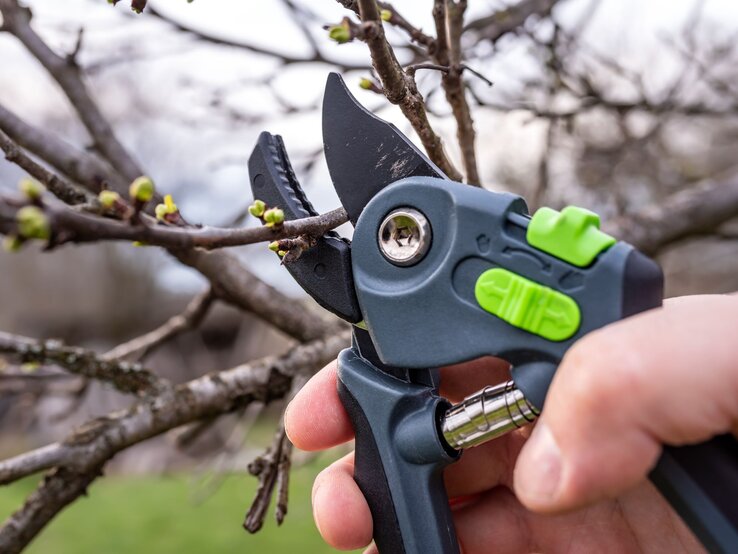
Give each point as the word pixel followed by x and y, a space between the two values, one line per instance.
pixel 323 271
pixel 364 153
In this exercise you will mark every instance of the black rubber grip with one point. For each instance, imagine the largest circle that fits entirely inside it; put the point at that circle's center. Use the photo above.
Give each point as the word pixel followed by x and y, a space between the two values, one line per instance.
pixel 370 477
pixel 701 484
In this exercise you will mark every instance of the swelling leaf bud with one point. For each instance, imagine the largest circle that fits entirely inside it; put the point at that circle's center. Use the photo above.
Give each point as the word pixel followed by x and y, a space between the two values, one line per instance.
pixel 339 33
pixel 31 188
pixel 142 189
pixel 165 209
pixel 33 223
pixel 274 246
pixel 365 83
pixel 273 216
pixel 386 15
pixel 108 198
pixel 257 208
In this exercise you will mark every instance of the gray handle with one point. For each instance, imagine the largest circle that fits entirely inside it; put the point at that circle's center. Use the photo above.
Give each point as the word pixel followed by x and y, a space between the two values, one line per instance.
pixel 399 458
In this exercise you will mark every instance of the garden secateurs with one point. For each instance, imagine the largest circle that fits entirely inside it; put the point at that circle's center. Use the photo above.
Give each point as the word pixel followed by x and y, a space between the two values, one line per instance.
pixel 439 273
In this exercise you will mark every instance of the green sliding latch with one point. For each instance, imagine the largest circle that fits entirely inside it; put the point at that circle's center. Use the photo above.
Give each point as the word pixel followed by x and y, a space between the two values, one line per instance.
pixel 573 234
pixel 527 305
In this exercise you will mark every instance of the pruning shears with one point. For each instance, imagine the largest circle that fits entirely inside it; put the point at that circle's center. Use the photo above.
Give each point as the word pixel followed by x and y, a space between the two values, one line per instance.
pixel 439 273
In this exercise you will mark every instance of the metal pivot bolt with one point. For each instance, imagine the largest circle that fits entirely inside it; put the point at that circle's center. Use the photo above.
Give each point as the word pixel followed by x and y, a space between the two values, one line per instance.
pixel 404 236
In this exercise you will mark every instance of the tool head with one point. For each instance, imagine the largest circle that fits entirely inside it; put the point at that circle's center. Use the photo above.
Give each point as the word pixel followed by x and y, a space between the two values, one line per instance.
pixel 364 153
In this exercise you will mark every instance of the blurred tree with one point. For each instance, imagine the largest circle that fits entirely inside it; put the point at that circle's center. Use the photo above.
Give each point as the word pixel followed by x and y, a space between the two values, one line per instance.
pixel 605 135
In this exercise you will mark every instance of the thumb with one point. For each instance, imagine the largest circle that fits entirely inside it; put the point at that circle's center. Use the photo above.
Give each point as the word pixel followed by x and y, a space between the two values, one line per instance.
pixel 668 376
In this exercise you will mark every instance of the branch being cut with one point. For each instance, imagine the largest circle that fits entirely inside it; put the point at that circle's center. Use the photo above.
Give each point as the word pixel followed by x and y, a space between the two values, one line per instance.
pixel 79 459
pixel 399 88
pixel 68 225
pixel 125 377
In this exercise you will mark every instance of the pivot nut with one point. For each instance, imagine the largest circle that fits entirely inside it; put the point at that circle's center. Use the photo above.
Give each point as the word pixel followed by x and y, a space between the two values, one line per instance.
pixel 404 237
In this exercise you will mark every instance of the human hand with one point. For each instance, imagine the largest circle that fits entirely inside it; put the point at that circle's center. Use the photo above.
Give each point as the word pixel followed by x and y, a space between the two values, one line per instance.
pixel 618 395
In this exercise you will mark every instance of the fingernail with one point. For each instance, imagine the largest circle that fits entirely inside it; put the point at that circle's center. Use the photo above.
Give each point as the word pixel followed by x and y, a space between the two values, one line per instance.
pixel 538 471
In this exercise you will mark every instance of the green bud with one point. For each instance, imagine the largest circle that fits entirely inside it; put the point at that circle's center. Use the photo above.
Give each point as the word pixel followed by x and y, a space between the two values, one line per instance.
pixel 339 33
pixel 386 15
pixel 31 188
pixel 142 189
pixel 365 83
pixel 108 198
pixel 11 243
pixel 165 209
pixel 32 223
pixel 281 253
pixel 257 208
pixel 274 246
pixel 30 367
pixel 273 216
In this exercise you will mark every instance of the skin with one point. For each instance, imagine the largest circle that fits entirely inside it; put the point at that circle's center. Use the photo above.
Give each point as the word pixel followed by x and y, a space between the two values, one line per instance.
pixel 577 483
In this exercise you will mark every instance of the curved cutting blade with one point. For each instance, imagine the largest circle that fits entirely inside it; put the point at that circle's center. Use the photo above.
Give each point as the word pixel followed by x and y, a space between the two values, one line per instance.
pixel 365 153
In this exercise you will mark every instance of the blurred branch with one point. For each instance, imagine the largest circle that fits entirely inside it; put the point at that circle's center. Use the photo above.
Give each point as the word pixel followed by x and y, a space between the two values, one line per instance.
pixel 140 347
pixel 285 59
pixel 79 459
pixel 125 377
pixel 81 166
pixel 400 88
pixel 234 283
pixel 59 187
pixel 690 212
pixel 17 21
pixel 273 471
pixel 496 25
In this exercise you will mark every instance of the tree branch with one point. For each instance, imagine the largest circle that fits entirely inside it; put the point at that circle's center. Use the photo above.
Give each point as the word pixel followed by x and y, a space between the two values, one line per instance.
pixel 85 451
pixel 234 283
pixel 81 166
pixel 17 21
pixel 498 24
pixel 399 88
pixel 455 88
pixel 59 187
pixel 693 211
pixel 125 377
pixel 68 225
pixel 140 347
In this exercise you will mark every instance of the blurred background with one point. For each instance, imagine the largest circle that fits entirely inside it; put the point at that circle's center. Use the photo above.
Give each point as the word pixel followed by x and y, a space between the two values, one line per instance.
pixel 612 105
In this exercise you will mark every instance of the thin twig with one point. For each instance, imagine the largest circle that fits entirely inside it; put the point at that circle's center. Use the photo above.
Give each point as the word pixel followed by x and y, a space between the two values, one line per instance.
pixel 140 347
pixel 400 88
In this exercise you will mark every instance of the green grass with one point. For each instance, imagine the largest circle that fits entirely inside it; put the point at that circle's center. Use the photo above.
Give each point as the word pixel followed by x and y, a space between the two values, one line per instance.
pixel 161 514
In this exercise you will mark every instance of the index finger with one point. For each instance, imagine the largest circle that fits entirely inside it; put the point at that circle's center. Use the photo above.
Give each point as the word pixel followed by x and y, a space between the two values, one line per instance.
pixel 316 419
